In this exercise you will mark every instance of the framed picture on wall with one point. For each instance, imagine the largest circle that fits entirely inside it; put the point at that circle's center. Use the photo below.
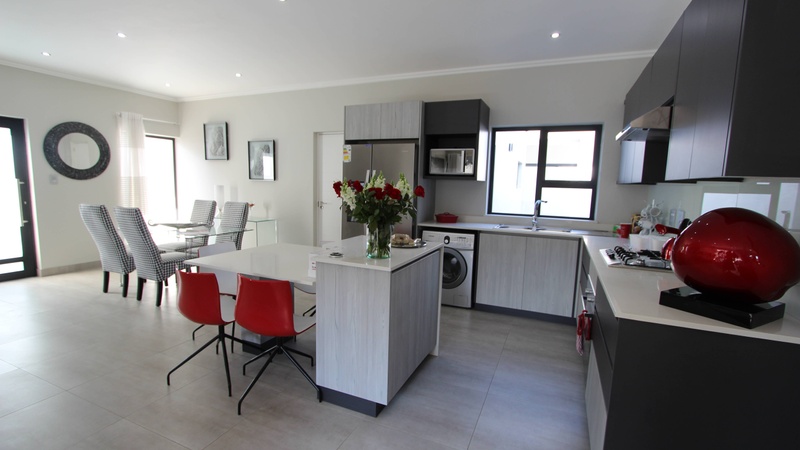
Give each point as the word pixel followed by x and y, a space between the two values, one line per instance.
pixel 216 138
pixel 261 158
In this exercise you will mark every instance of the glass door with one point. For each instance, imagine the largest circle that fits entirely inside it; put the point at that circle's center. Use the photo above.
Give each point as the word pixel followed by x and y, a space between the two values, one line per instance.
pixel 17 251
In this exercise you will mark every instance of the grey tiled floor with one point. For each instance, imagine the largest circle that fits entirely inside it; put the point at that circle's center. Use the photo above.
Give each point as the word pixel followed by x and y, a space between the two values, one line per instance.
pixel 80 369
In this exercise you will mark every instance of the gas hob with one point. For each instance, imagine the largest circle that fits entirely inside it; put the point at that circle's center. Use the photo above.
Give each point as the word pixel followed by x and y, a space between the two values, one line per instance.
pixel 645 259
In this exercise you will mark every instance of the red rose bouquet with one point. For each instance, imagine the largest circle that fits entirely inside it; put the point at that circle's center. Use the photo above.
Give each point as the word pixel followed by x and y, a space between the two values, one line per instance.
pixel 379 205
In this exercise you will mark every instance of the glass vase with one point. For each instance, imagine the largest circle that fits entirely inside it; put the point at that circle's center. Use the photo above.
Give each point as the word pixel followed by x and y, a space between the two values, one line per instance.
pixel 379 239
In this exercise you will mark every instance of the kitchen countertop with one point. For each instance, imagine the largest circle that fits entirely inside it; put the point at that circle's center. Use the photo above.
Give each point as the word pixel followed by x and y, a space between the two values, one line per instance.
pixel 634 294
pixel 546 231
pixel 353 250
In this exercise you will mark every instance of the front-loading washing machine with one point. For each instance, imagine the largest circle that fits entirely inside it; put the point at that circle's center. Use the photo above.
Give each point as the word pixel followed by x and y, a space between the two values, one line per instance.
pixel 459 251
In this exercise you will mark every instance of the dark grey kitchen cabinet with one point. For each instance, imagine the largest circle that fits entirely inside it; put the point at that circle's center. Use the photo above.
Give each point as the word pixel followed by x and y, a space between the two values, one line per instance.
pixel 636 100
pixel 734 111
pixel 664 71
pixel 458 124
pixel 396 120
pixel 657 386
pixel 642 162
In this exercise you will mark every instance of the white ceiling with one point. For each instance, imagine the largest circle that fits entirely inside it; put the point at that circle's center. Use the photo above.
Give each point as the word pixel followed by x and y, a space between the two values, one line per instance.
pixel 199 45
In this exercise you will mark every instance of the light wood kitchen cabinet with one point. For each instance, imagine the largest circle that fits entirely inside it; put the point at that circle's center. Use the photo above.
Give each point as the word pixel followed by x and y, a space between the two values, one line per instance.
pixel 501 264
pixel 533 274
pixel 397 120
pixel 550 271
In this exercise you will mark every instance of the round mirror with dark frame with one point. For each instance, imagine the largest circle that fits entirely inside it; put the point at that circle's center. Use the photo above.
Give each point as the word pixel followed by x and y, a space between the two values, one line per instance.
pixel 76 150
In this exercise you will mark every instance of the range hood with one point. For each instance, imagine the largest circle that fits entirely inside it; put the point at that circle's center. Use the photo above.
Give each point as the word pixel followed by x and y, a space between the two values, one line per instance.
pixel 651 126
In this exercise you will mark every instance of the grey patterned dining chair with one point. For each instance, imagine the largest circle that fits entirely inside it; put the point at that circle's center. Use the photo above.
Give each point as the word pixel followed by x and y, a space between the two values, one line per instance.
pixel 202 212
pixel 234 215
pixel 151 264
pixel 114 256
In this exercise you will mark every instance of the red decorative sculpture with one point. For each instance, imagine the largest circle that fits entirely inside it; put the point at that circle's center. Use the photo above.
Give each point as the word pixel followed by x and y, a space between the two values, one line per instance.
pixel 737 254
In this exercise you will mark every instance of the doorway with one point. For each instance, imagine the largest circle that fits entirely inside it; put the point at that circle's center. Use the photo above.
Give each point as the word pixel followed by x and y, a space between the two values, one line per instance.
pixel 17 247
pixel 328 169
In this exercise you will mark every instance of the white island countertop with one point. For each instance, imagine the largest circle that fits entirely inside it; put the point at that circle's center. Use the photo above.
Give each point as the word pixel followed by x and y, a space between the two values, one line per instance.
pixel 353 252
pixel 634 294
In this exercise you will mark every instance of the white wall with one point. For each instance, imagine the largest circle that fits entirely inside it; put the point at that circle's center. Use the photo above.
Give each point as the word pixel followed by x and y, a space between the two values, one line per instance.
pixel 567 94
pixel 44 101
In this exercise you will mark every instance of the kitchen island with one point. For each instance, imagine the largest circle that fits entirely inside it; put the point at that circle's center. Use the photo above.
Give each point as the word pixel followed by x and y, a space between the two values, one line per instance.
pixel 661 378
pixel 377 320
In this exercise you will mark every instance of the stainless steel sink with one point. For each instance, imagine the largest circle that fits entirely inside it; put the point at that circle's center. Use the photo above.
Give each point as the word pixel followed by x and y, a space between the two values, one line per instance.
pixel 529 228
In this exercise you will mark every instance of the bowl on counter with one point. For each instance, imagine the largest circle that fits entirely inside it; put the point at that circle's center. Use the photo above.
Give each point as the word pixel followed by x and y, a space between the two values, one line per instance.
pixel 652 242
pixel 446 218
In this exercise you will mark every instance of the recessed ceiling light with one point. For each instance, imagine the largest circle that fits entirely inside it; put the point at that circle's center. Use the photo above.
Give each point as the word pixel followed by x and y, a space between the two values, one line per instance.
pixel 167 84
pixel 555 35
pixel 238 75
pixel 122 35
pixel 45 53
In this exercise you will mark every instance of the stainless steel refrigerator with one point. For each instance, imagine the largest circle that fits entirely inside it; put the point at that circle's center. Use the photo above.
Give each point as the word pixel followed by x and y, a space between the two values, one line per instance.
pixel 365 160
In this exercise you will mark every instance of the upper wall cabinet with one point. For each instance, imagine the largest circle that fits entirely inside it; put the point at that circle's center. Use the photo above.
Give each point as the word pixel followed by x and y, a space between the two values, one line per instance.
pixel 398 120
pixel 735 107
pixel 458 133
pixel 642 162
pixel 656 84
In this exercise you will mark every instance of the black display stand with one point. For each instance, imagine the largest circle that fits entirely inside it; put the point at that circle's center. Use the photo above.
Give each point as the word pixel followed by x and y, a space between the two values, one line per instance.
pixel 745 315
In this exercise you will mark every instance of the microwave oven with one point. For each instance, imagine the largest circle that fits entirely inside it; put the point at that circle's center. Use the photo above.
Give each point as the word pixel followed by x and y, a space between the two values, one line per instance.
pixel 452 161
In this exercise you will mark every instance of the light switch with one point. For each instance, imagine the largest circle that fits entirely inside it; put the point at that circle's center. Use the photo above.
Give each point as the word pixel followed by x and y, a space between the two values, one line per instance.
pixel 53 178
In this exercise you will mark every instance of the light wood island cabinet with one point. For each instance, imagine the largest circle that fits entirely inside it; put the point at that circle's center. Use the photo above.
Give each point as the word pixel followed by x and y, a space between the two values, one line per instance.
pixel 377 320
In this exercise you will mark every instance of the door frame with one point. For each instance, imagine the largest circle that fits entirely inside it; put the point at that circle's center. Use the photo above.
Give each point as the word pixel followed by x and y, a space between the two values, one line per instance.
pixel 318 180
pixel 19 144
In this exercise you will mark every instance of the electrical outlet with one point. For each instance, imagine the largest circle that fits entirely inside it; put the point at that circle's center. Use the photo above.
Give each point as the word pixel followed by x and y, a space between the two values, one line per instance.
pixel 53 178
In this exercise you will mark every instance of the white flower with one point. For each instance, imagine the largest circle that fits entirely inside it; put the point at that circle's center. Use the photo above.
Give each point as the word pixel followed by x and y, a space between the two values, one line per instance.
pixel 349 196
pixel 377 181
pixel 403 186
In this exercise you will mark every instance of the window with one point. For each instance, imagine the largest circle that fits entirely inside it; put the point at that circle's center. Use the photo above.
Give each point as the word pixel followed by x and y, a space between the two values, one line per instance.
pixel 159 172
pixel 557 164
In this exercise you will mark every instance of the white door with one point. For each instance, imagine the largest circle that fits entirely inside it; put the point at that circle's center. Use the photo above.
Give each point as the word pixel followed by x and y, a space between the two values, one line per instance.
pixel 328 217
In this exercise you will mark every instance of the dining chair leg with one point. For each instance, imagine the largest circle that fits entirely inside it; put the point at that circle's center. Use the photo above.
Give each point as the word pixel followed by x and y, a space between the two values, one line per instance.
pixel 221 338
pixel 196 330
pixel 252 383
pixel 125 285
pixel 305 374
pixel 139 287
pixel 214 339
pixel 105 282
pixel 159 292
pixel 298 352
pixel 259 356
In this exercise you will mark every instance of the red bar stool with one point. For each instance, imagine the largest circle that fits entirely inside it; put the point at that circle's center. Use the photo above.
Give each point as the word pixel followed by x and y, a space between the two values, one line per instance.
pixel 199 301
pixel 266 307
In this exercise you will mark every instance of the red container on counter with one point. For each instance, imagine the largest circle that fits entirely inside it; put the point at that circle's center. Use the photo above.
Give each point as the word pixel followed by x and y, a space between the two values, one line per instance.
pixel 446 218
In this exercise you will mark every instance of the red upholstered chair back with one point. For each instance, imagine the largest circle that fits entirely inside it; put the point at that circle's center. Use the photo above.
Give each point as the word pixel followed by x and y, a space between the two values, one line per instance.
pixel 265 307
pixel 198 298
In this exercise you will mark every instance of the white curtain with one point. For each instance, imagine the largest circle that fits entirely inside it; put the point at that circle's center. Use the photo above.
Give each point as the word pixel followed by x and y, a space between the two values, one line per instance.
pixel 131 139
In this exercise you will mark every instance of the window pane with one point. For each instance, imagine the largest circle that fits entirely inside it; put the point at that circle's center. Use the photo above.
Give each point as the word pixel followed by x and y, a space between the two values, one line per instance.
pixel 570 155
pixel 567 202
pixel 514 171
pixel 159 170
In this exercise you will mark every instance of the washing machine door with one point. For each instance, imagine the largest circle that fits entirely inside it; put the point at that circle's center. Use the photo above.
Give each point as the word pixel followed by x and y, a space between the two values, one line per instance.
pixel 454 269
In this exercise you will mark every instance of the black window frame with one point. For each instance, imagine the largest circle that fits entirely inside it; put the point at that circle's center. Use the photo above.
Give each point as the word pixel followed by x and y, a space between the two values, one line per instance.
pixel 541 166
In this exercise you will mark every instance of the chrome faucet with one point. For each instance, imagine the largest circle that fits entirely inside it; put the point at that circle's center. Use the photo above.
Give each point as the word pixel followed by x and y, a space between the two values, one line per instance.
pixel 535 218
